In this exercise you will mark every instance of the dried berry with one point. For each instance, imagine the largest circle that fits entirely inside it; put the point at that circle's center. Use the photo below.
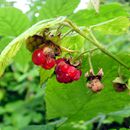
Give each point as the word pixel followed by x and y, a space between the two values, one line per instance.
pixel 33 42
pixel 94 81
pixel 119 84
pixel 95 85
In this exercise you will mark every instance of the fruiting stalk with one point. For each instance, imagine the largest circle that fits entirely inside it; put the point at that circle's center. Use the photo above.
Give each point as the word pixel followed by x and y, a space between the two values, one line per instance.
pixel 90 61
pixel 68 50
pixel 95 42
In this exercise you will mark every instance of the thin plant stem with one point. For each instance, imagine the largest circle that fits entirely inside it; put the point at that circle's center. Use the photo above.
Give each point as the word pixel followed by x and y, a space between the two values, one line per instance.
pixel 67 33
pixel 83 53
pixel 67 50
pixel 90 60
pixel 95 42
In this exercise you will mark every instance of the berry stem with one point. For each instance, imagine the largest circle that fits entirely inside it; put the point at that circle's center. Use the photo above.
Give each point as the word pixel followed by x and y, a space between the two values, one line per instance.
pixel 90 60
pixel 87 51
pixel 119 71
pixel 95 42
pixel 67 33
pixel 67 50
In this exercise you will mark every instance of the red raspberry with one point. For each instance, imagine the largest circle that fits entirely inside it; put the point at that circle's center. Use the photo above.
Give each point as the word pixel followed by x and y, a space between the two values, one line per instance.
pixel 63 78
pixel 78 74
pixel 38 57
pixel 59 66
pixel 66 78
pixel 71 71
pixel 65 67
pixel 49 63
pixel 66 73
pixel 60 60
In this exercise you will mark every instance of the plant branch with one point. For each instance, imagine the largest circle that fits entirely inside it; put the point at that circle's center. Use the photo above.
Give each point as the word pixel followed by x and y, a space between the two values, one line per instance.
pixel 95 42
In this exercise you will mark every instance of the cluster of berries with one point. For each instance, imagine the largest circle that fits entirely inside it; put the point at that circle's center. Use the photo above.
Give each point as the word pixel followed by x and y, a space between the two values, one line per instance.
pixel 65 72
pixel 42 59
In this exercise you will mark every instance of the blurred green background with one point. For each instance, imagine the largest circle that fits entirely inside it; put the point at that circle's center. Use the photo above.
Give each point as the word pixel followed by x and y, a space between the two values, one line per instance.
pixel 21 95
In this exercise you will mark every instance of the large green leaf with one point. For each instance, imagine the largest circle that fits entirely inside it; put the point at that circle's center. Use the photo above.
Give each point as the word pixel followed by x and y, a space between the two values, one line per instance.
pixel 54 8
pixel 77 102
pixel 45 74
pixel 12 21
pixel 20 61
pixel 106 12
pixel 115 26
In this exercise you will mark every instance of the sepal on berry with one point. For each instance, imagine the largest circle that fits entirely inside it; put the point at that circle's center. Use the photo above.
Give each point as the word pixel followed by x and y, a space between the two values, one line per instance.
pixel 119 84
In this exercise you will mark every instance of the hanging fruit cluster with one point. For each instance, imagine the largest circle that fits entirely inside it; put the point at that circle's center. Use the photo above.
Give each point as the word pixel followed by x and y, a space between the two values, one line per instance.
pixel 45 53
pixel 65 72
pixel 45 50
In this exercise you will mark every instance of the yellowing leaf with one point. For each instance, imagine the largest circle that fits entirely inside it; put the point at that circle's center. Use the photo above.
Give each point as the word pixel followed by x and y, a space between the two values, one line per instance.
pixel 13 47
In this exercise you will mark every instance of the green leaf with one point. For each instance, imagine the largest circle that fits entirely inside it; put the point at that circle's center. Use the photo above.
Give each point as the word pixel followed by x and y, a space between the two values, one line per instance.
pixel 77 102
pixel 115 26
pixel 10 51
pixel 20 61
pixel 107 12
pixel 74 42
pixel 12 21
pixel 56 8
pixel 45 74
pixel 4 42
pixel 39 127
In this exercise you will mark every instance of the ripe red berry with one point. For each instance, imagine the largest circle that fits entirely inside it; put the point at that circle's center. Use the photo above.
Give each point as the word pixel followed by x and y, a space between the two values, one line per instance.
pixel 71 71
pixel 78 74
pixel 49 63
pixel 66 73
pixel 60 60
pixel 38 57
pixel 63 78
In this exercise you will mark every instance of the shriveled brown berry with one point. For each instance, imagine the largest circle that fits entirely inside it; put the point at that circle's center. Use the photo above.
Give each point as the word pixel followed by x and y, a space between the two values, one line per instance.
pixel 119 84
pixel 119 87
pixel 33 42
pixel 95 85
pixel 94 81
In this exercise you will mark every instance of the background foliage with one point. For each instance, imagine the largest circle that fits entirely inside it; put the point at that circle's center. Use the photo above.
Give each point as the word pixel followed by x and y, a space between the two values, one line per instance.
pixel 24 105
